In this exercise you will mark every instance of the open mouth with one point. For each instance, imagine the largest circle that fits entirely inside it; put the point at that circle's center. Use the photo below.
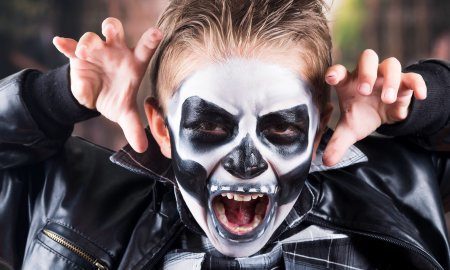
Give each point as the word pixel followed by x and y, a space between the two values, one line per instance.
pixel 240 213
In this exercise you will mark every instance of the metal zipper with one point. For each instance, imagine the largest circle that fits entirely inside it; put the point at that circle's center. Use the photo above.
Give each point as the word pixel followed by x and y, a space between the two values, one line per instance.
pixel 409 247
pixel 75 249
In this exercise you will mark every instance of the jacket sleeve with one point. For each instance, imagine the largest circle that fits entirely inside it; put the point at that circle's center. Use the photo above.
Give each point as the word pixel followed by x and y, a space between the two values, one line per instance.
pixel 428 122
pixel 37 114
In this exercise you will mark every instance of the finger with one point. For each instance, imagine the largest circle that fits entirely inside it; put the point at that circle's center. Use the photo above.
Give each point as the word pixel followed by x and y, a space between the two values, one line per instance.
pixel 400 109
pixel 416 83
pixel 367 71
pixel 343 137
pixel 337 75
pixel 391 70
pixel 134 130
pixel 147 45
pixel 113 31
pixel 83 65
pixel 87 45
pixel 66 46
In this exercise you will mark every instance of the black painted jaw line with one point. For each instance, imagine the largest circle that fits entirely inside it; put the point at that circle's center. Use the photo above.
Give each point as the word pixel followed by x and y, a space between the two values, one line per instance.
pixel 267 194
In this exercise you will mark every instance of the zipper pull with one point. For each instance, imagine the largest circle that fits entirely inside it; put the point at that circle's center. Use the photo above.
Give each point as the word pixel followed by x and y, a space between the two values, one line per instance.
pixel 100 266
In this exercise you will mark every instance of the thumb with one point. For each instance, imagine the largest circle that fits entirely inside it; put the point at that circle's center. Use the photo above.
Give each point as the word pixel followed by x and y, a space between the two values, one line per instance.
pixel 65 46
pixel 343 137
pixel 133 130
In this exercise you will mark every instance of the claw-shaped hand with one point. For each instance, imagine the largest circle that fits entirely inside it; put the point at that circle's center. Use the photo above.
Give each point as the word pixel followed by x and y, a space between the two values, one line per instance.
pixel 372 95
pixel 106 74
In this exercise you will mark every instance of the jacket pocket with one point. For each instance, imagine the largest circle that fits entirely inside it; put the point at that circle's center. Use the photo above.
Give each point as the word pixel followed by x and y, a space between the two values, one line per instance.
pixel 73 247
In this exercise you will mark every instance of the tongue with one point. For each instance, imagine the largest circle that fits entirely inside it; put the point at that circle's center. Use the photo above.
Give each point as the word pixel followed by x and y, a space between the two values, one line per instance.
pixel 239 212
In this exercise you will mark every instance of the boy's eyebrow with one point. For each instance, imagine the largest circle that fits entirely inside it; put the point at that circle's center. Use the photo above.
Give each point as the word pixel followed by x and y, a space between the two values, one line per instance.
pixel 292 114
pixel 195 106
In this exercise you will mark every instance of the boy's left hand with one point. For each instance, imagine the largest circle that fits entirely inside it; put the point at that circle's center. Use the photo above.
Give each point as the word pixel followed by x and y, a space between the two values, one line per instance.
pixel 372 95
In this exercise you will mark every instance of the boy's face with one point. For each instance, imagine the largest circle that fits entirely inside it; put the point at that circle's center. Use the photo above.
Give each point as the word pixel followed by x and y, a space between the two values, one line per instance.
pixel 242 137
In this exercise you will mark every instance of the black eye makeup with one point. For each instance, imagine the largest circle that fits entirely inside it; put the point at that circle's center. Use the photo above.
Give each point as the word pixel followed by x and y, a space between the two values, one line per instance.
pixel 205 123
pixel 286 129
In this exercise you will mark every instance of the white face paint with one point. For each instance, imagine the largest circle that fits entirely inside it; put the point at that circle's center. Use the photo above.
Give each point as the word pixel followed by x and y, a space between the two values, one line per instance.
pixel 241 128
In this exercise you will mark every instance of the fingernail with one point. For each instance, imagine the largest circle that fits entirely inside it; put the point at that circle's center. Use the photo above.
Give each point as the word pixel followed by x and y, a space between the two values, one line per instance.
pixel 156 34
pixel 109 28
pixel 331 75
pixel 331 78
pixel 364 88
pixel 389 94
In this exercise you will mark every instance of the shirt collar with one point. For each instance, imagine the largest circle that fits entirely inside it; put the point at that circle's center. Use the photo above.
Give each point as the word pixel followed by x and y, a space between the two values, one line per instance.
pixel 151 163
pixel 351 157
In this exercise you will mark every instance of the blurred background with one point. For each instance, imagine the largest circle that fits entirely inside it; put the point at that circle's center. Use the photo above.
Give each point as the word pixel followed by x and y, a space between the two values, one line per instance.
pixel 406 29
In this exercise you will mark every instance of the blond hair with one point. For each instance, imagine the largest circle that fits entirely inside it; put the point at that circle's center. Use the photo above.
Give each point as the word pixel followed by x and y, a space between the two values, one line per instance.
pixel 220 29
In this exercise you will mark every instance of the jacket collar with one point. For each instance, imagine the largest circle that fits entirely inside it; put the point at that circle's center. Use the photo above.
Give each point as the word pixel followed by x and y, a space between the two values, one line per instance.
pixel 154 164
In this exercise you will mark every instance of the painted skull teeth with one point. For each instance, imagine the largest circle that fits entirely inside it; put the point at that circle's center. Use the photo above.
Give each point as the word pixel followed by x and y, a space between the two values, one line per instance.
pixel 263 189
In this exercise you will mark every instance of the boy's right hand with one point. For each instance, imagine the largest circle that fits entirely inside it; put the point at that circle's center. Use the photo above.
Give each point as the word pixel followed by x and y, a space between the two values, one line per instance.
pixel 106 75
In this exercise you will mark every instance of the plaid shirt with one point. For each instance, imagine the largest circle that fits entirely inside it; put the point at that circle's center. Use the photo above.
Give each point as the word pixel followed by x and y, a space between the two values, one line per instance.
pixel 295 245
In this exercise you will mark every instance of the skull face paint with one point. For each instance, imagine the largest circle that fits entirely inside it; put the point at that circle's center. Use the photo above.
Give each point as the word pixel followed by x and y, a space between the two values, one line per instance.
pixel 242 137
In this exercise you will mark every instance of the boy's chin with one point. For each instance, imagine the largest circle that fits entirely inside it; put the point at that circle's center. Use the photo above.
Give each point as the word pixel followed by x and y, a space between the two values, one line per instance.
pixel 236 248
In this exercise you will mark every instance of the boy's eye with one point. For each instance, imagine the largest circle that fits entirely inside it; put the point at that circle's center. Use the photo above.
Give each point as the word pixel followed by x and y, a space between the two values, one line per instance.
pixel 281 130
pixel 282 133
pixel 211 128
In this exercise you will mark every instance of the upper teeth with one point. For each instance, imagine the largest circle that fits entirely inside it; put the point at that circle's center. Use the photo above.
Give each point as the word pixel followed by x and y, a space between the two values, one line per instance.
pixel 262 189
pixel 241 197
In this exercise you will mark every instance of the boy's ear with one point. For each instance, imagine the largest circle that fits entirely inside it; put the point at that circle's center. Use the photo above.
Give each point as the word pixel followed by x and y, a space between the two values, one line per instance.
pixel 325 116
pixel 158 126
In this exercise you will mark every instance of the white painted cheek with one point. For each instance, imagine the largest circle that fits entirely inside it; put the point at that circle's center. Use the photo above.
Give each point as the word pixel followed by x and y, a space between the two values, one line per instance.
pixel 198 211
pixel 282 212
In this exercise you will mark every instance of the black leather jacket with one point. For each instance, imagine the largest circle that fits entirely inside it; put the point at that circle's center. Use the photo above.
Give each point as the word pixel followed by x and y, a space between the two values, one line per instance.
pixel 65 205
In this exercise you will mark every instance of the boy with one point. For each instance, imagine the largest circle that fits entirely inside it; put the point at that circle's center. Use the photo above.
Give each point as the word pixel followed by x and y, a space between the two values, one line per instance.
pixel 231 176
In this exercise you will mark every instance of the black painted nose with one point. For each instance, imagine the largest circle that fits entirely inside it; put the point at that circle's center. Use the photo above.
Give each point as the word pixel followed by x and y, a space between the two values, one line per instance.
pixel 245 161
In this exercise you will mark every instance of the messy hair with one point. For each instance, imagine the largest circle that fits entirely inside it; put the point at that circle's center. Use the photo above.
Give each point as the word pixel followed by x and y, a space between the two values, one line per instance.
pixel 220 29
